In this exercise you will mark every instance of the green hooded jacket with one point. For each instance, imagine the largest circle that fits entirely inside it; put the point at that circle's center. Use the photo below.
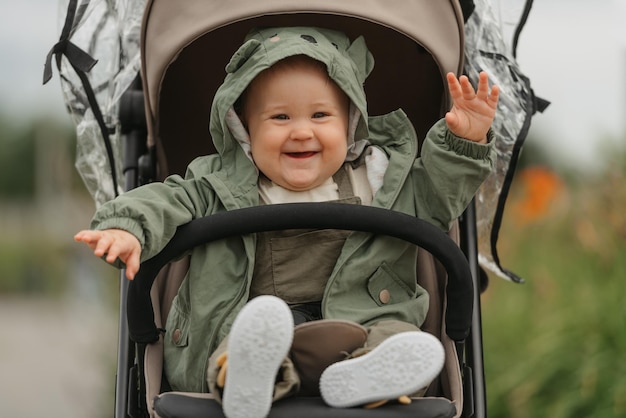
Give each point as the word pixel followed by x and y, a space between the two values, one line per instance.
pixel 436 187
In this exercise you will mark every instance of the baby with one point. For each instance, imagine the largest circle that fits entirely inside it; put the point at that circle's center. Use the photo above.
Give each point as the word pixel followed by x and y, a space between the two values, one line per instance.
pixel 290 124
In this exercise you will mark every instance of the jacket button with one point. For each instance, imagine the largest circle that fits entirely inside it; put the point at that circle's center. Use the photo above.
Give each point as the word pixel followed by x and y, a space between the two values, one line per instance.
pixel 384 296
pixel 176 336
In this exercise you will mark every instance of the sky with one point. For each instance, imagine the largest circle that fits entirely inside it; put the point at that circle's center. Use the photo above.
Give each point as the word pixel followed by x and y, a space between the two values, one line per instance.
pixel 573 51
pixel 28 29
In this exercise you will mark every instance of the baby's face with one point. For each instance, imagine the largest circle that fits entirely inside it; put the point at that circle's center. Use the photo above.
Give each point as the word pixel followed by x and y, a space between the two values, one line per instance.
pixel 297 119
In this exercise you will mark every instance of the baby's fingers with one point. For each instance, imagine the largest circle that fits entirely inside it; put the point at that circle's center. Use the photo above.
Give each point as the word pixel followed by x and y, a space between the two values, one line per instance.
pixel 454 86
pixel 453 121
pixel 103 246
pixel 88 237
pixel 132 265
pixel 467 88
pixel 112 252
pixel 79 236
pixel 494 96
pixel 482 92
pixel 85 236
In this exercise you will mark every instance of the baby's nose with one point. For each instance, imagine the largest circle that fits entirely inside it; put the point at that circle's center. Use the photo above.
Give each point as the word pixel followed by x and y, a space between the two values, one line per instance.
pixel 301 131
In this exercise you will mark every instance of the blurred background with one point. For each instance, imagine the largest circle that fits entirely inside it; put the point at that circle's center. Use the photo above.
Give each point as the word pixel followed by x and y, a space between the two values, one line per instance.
pixel 554 346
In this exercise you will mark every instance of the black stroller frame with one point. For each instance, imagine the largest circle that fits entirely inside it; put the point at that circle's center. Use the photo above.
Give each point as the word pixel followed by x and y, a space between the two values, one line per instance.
pixel 463 320
pixel 461 294
pixel 145 161
pixel 466 279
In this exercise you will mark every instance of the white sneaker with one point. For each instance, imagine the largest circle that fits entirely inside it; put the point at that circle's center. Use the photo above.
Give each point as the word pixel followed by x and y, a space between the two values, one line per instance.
pixel 401 365
pixel 258 343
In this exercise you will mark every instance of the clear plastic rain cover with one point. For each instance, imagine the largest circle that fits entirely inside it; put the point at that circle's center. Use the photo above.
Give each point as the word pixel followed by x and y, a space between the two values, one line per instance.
pixel 489 45
pixel 109 31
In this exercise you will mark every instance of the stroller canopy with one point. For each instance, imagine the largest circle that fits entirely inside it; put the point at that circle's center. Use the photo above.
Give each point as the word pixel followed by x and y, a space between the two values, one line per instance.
pixel 185 47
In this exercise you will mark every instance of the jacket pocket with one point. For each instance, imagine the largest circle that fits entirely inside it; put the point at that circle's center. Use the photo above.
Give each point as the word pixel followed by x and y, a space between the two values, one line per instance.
pixel 177 326
pixel 386 288
pixel 183 363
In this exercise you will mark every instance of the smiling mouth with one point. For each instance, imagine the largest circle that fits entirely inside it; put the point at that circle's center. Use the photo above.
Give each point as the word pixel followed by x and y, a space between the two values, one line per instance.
pixel 305 154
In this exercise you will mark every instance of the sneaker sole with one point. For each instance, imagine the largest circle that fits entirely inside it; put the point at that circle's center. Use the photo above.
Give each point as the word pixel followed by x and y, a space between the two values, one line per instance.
pixel 401 365
pixel 258 343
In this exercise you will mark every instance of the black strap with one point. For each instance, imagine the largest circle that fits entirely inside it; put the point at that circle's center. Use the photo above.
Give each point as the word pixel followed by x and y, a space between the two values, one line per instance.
pixel 82 63
pixel 539 104
pixel 467 8
pixel 520 26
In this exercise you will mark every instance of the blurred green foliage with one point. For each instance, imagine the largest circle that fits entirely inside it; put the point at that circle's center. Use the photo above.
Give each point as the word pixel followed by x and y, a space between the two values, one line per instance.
pixel 17 161
pixel 554 346
pixel 38 184
pixel 22 149
pixel 32 267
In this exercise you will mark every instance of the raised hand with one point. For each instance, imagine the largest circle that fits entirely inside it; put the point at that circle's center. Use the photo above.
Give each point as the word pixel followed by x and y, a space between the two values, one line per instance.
pixel 472 111
pixel 115 243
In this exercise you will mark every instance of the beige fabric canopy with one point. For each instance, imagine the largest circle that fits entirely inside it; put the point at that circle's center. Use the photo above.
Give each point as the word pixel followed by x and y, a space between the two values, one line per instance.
pixel 186 44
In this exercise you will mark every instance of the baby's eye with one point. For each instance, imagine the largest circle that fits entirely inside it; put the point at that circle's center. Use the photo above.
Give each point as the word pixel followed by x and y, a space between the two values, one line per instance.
pixel 319 114
pixel 280 116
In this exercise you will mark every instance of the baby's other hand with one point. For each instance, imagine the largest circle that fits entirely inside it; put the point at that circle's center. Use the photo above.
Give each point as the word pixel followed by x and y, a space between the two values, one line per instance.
pixel 115 243
pixel 472 111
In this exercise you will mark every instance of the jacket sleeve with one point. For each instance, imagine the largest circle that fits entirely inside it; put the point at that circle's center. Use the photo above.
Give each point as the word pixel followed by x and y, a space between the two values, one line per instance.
pixel 154 211
pixel 449 173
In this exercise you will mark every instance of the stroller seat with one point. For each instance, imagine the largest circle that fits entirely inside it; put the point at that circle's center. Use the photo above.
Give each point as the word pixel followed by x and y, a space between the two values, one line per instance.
pixel 184 48
pixel 149 295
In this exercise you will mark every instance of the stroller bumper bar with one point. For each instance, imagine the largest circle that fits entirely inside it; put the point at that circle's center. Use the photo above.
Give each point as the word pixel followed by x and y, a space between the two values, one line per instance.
pixel 200 231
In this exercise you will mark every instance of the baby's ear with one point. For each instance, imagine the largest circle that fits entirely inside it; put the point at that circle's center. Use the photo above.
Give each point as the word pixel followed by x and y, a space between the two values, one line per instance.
pixel 362 57
pixel 244 52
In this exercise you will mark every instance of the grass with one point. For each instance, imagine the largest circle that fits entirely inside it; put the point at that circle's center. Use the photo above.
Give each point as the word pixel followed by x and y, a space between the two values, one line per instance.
pixel 554 346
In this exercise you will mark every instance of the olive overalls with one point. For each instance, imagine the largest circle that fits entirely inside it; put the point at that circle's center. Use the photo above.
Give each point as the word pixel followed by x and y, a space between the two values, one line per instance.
pixel 295 265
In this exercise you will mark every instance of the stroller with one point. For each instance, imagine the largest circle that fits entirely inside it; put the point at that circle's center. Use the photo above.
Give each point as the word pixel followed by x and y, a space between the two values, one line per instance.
pixel 155 121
